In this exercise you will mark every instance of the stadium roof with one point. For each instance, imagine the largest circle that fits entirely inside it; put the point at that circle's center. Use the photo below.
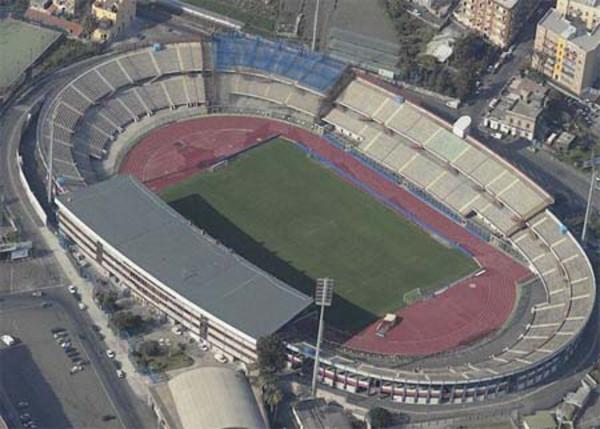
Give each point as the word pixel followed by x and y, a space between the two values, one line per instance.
pixel 157 239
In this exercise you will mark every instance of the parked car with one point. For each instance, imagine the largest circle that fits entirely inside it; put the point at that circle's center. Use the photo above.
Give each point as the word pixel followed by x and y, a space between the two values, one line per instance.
pixel 111 354
pixel 37 293
pixel 120 373
pixel 72 289
pixel 8 340
pixel 76 368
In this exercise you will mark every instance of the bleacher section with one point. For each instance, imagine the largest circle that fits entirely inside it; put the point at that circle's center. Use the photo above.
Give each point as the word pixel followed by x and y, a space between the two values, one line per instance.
pixel 279 93
pixel 90 111
pixel 497 193
pixel 282 60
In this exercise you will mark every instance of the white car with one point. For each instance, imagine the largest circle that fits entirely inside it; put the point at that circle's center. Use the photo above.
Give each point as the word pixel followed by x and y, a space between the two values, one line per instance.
pixel 82 306
pixel 111 354
pixel 120 373
pixel 221 358
pixel 76 368
pixel 37 293
pixel 177 330
pixel 72 289
pixel 8 340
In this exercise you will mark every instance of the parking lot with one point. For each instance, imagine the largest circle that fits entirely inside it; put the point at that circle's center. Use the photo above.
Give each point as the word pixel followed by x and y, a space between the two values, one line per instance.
pixel 40 381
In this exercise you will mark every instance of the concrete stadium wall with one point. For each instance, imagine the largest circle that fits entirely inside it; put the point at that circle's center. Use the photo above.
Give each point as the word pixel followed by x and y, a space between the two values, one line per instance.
pixel 37 207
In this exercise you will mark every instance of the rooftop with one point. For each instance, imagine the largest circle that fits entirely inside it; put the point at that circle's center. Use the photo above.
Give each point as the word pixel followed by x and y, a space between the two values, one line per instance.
pixel 525 98
pixel 46 18
pixel 572 30
pixel 507 4
pixel 168 247
pixel 219 397
pixel 540 420
pixel 317 414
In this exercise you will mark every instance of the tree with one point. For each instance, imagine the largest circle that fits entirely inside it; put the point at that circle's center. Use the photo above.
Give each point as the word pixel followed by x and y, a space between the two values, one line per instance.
pixel 273 397
pixel 150 348
pixel 126 321
pixel 88 23
pixel 107 300
pixel 379 418
pixel 271 354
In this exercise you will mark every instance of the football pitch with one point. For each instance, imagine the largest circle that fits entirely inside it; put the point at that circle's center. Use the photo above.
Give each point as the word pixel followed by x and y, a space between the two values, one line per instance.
pixel 296 219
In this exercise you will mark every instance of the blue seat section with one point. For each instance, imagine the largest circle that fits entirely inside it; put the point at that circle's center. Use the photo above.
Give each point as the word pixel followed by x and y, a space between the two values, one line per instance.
pixel 310 69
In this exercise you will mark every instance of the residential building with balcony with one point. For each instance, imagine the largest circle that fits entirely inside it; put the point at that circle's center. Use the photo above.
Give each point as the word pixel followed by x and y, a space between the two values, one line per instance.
pixel 567 52
pixel 498 20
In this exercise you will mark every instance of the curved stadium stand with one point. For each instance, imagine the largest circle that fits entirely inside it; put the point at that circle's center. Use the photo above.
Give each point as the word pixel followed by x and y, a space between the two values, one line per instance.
pixel 93 109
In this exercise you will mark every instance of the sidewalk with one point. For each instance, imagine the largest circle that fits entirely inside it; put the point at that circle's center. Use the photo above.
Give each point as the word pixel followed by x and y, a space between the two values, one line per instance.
pixel 138 383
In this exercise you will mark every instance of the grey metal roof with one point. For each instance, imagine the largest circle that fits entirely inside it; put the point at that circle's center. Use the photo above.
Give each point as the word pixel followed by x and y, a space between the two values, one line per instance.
pixel 215 398
pixel 156 238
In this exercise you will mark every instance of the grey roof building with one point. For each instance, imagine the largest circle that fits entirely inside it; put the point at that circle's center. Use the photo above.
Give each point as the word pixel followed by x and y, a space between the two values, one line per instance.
pixel 145 230
pixel 208 398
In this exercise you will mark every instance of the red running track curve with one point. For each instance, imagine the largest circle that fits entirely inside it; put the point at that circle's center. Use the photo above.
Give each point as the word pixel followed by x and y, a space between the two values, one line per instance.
pixel 468 311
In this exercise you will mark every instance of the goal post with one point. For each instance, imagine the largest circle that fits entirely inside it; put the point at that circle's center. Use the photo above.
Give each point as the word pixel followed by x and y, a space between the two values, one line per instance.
pixel 413 296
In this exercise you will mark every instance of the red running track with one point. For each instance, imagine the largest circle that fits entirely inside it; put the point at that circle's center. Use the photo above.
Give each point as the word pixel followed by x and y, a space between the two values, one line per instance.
pixel 470 310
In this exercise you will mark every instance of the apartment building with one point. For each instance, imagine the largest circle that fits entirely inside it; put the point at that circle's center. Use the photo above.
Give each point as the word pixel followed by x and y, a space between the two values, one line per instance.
pixel 587 11
pixel 112 16
pixel 567 51
pixel 498 20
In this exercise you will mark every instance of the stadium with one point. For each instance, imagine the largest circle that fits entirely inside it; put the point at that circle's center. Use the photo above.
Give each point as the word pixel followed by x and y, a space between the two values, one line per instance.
pixel 247 168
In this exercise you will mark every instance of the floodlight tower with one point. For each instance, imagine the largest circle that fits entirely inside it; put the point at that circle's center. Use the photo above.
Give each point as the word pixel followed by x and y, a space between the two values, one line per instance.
pixel 315 25
pixel 323 298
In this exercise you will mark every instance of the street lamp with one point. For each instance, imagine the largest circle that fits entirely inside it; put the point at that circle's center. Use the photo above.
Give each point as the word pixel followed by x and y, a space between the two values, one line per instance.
pixel 323 298
pixel 588 209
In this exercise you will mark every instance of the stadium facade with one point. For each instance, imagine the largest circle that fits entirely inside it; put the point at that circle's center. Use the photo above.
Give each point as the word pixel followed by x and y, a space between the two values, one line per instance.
pixel 459 177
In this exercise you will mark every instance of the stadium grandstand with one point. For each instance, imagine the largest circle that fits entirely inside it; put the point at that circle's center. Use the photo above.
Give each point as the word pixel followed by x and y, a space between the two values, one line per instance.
pixel 298 65
pixel 92 110
pixel 362 121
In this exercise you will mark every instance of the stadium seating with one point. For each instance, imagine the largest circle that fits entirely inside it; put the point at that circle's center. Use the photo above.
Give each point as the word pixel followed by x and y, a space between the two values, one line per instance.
pixel 119 112
pixel 114 74
pixel 310 69
pixel 276 92
pixel 66 117
pixel 92 85
pixel 378 107
pixel 90 111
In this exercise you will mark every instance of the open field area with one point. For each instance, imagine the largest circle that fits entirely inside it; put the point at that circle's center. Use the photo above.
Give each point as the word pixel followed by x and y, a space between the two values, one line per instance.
pixel 297 220
pixel 20 45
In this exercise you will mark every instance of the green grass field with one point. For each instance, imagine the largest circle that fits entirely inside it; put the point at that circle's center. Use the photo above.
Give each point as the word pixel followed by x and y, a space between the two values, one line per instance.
pixel 296 219
pixel 20 45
